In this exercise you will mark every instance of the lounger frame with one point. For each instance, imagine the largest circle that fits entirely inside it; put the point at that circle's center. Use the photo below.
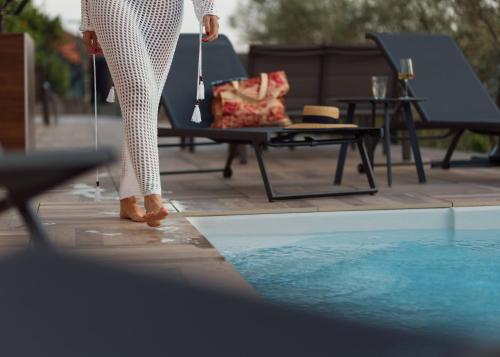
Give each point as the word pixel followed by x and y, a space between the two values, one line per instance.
pixel 262 138
pixel 221 61
pixel 456 98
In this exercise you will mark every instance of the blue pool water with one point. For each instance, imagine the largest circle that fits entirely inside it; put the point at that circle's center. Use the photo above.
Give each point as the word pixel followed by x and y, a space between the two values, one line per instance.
pixel 418 280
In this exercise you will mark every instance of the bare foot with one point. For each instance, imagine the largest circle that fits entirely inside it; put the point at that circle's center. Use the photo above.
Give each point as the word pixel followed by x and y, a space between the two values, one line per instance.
pixel 155 210
pixel 129 209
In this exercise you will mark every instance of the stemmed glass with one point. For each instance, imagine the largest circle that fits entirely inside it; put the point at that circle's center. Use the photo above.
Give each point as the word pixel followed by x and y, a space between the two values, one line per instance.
pixel 406 73
pixel 379 87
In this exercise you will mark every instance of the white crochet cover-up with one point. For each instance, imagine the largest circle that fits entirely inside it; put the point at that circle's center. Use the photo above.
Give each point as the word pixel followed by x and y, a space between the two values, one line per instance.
pixel 138 39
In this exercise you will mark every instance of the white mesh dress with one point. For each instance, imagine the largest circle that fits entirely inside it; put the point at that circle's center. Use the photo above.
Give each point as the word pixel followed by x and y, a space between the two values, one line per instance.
pixel 138 39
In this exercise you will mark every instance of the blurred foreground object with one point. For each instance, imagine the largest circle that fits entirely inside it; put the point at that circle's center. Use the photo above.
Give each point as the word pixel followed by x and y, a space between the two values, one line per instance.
pixel 26 176
pixel 53 305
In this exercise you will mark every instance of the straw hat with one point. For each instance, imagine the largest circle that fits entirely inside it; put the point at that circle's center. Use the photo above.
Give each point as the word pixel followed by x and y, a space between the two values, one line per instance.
pixel 320 117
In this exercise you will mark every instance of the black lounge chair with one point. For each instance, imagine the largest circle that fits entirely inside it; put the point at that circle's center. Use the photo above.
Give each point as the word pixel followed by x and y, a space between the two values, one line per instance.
pixel 455 97
pixel 26 176
pixel 222 63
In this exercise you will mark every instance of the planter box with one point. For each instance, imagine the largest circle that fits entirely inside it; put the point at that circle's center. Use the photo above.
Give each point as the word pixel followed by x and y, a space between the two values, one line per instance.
pixel 17 92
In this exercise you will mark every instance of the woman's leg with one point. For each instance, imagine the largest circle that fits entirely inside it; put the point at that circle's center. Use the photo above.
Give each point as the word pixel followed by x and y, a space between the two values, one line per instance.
pixel 129 189
pixel 129 186
pixel 162 43
pixel 138 40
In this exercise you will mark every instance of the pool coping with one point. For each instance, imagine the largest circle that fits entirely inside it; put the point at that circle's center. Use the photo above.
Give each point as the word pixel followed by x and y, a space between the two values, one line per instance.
pixel 364 208
pixel 310 223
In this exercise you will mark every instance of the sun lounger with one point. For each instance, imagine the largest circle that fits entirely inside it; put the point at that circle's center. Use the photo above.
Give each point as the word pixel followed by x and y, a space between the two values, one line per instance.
pixel 221 63
pixel 455 97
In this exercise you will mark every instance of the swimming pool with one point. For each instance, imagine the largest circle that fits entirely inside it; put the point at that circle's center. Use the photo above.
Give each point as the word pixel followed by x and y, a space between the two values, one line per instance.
pixel 414 269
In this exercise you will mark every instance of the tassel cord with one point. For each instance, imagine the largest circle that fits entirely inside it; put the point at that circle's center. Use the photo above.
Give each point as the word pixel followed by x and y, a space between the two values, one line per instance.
pixel 200 86
pixel 96 142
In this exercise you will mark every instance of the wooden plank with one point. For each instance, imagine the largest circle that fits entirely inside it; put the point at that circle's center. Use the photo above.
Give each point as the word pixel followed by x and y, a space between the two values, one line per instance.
pixel 17 91
pixel 78 225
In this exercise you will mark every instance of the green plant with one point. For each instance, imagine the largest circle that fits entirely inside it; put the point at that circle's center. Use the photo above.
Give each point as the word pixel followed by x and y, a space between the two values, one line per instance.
pixel 10 8
pixel 470 142
pixel 474 24
pixel 47 34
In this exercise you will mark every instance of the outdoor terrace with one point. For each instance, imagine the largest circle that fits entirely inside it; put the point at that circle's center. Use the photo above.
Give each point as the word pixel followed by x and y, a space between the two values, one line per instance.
pixel 79 225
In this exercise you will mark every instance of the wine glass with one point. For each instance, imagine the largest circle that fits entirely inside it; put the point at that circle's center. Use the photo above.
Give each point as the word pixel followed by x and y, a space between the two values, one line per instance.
pixel 379 87
pixel 406 73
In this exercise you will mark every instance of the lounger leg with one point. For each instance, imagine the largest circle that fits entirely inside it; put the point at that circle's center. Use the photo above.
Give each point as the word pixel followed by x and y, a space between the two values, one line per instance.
pixel 263 171
pixel 387 138
pixel 39 238
pixel 192 146
pixel 365 158
pixel 445 164
pixel 344 147
pixel 233 151
pixel 372 142
pixel 242 153
pixel 274 197
pixel 412 134
pixel 341 164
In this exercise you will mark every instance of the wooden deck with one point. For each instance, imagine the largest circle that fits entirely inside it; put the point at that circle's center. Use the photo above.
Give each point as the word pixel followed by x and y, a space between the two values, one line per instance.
pixel 79 225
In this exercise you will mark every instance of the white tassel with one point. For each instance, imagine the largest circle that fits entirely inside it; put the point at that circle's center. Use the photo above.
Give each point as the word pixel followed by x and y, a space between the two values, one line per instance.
pixel 200 86
pixel 196 118
pixel 201 90
pixel 97 193
pixel 111 96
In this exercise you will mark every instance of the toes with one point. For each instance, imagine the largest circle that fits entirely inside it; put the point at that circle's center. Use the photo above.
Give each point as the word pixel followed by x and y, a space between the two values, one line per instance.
pixel 133 214
pixel 154 224
pixel 156 216
pixel 134 218
pixel 137 218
